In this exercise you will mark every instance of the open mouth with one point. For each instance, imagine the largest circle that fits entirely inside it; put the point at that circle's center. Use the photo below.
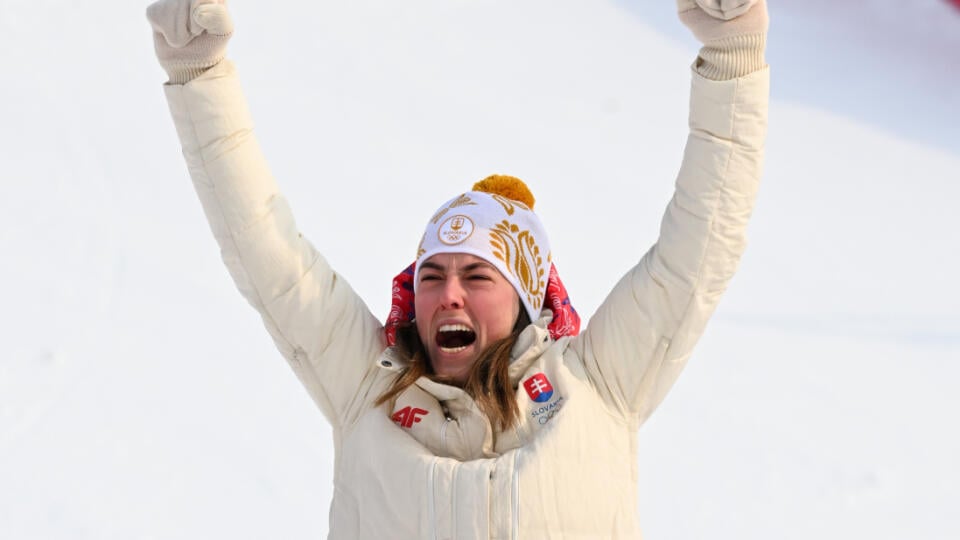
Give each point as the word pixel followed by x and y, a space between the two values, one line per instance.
pixel 452 338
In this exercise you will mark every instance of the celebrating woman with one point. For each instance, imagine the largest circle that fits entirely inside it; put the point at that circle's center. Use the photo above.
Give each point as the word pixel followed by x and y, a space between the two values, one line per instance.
pixel 479 409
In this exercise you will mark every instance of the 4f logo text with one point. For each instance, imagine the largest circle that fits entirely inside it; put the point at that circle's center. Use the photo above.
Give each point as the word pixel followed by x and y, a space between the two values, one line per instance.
pixel 408 416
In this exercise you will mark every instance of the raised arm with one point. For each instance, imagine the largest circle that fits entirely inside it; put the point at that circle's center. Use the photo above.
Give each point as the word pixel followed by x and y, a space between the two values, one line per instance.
pixel 320 325
pixel 642 335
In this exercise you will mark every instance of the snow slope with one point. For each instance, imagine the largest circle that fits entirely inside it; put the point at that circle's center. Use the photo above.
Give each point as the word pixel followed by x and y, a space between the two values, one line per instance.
pixel 140 397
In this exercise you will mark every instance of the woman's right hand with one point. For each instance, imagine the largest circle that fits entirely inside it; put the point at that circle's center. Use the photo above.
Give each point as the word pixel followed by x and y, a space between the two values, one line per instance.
pixel 190 36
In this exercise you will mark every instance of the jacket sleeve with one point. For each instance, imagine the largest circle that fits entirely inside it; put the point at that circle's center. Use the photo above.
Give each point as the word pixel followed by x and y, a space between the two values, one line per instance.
pixel 318 322
pixel 641 336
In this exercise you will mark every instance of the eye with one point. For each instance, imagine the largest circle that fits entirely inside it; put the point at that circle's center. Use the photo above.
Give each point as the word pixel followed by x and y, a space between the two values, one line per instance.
pixel 479 277
pixel 429 277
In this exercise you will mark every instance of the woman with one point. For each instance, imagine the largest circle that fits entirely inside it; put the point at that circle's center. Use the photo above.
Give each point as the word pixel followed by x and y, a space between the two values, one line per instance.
pixel 477 411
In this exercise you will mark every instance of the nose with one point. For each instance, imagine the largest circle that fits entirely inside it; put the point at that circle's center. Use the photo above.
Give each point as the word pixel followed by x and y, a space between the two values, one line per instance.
pixel 453 294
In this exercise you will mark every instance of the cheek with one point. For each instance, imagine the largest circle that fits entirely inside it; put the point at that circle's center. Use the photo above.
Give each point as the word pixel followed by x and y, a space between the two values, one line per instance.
pixel 421 306
pixel 507 316
pixel 422 331
pixel 515 307
pixel 511 299
pixel 423 303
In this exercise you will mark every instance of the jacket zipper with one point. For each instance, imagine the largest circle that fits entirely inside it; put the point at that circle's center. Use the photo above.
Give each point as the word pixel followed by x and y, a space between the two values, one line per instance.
pixel 443 428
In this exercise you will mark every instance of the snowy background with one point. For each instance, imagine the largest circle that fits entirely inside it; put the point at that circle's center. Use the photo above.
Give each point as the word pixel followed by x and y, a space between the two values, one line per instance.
pixel 140 397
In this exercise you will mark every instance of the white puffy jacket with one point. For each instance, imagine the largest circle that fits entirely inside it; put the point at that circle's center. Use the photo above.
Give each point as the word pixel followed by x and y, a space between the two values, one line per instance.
pixel 432 467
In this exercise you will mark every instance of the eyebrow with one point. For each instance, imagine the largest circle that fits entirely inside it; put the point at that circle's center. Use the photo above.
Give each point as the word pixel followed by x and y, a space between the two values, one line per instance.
pixel 468 268
pixel 479 264
pixel 432 266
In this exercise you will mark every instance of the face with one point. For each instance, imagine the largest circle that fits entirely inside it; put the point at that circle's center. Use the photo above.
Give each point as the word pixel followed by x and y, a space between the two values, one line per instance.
pixel 463 304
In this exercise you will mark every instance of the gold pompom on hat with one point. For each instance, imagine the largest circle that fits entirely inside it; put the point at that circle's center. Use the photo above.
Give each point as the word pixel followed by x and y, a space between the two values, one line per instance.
pixel 495 221
pixel 510 187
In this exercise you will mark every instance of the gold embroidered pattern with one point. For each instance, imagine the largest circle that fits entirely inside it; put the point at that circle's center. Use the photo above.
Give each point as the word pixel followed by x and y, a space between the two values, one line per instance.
pixel 519 251
pixel 462 200
pixel 420 250
pixel 509 205
pixel 440 213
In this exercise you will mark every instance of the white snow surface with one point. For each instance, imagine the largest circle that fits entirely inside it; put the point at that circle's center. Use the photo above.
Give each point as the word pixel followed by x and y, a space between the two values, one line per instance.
pixel 141 398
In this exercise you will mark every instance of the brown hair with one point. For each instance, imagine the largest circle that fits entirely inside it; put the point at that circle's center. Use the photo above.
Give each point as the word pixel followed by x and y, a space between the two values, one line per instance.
pixel 488 382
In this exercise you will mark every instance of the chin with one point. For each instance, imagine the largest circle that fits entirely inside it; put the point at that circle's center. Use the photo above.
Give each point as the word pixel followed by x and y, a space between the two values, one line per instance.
pixel 456 371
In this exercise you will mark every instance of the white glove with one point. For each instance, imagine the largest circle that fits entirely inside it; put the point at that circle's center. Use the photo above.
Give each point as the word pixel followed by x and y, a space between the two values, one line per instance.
pixel 733 33
pixel 190 36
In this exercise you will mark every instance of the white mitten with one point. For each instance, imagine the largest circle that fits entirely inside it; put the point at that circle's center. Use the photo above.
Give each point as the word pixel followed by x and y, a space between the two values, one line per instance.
pixel 190 36
pixel 733 32
pixel 718 9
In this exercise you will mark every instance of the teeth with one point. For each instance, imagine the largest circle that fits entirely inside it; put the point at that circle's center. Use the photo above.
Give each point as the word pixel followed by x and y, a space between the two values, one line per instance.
pixel 455 328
